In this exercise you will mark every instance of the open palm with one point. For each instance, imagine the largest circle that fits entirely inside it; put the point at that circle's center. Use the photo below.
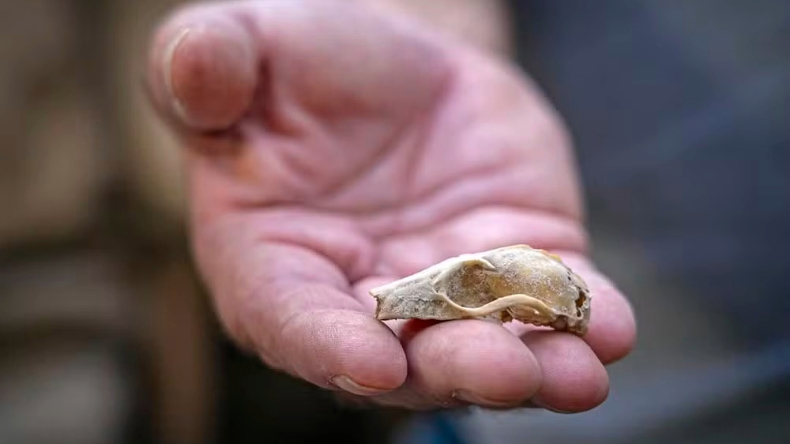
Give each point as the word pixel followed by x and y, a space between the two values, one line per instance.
pixel 330 149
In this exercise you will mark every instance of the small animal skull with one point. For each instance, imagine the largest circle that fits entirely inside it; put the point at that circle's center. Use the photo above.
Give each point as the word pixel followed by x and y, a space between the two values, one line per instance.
pixel 516 282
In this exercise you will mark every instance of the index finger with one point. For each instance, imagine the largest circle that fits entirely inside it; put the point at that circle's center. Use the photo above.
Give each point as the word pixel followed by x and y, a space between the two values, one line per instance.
pixel 291 305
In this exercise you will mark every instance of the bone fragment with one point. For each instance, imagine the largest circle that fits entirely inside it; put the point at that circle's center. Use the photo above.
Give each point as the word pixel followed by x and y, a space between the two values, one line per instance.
pixel 516 282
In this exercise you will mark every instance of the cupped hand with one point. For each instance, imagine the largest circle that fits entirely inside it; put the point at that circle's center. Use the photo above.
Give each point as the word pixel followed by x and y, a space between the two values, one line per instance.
pixel 330 148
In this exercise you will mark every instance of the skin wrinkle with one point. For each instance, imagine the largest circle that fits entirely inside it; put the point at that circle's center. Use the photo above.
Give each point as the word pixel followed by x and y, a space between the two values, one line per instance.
pixel 382 221
pixel 288 121
pixel 335 191
pixel 569 233
pixel 330 370
pixel 448 232
pixel 406 232
pixel 373 221
pixel 238 230
pixel 356 252
pixel 423 130
pixel 395 213
pixel 448 202
pixel 357 257
pixel 394 250
pixel 545 125
pixel 423 200
pixel 292 178
pixel 263 288
pixel 281 335
pixel 284 156
pixel 424 133
pixel 297 174
pixel 355 260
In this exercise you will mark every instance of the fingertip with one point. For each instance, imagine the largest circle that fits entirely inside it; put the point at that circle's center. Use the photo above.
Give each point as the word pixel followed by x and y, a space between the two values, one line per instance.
pixel 574 380
pixel 344 349
pixel 475 361
pixel 203 70
pixel 612 333
pixel 210 75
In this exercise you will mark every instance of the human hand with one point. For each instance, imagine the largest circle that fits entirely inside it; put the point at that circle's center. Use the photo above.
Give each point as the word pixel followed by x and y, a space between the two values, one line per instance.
pixel 329 149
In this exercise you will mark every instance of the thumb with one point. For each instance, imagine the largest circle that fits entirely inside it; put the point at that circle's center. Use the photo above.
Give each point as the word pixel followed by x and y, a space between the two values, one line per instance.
pixel 329 60
pixel 202 69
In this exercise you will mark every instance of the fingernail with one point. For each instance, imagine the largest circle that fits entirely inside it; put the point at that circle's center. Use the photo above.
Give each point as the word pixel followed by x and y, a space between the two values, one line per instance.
pixel 170 51
pixel 474 398
pixel 345 383
pixel 539 404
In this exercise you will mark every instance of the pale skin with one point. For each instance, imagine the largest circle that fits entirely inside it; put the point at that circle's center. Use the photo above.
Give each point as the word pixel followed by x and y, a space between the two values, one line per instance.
pixel 330 148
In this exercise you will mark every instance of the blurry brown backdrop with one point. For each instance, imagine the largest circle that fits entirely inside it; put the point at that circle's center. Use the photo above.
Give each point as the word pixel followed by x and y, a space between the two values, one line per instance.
pixel 105 333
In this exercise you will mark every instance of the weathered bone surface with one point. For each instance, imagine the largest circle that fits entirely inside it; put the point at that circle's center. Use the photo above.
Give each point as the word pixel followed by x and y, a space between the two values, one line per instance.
pixel 509 283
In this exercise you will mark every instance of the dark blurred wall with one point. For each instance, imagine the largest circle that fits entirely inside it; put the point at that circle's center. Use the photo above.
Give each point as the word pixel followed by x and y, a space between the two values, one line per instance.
pixel 680 115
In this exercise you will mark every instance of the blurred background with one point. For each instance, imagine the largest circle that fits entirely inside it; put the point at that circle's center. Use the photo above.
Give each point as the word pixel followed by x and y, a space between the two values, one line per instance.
pixel 680 115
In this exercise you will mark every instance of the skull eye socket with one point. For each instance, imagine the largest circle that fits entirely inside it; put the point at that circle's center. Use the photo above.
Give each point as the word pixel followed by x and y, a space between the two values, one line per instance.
pixel 580 303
